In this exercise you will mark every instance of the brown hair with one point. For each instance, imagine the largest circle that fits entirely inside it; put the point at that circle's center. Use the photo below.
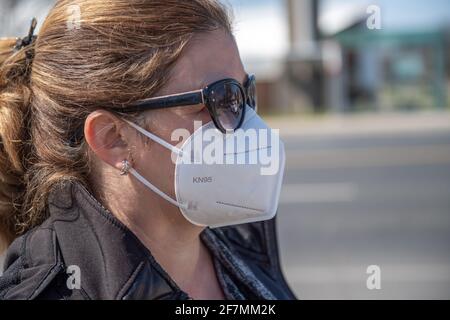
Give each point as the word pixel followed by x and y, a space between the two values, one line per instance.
pixel 121 51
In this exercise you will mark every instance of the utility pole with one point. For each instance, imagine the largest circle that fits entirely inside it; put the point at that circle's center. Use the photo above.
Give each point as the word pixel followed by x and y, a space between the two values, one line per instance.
pixel 304 67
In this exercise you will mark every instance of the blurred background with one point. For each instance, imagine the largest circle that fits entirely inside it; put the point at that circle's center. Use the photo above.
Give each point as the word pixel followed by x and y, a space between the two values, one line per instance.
pixel 359 91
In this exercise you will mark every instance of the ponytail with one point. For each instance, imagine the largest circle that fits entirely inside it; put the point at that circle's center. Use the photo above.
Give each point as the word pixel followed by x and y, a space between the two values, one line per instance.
pixel 15 96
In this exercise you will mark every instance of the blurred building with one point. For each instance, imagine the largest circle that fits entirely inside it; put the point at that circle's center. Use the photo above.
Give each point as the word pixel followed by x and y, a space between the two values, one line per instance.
pixel 389 70
pixel 336 63
pixel 291 79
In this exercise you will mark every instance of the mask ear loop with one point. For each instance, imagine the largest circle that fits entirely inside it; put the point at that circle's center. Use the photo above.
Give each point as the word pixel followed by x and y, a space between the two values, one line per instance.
pixel 138 176
pixel 144 181
pixel 155 138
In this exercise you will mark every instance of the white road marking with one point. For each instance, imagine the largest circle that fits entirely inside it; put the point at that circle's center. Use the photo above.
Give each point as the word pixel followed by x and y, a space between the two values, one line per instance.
pixel 357 273
pixel 369 157
pixel 318 193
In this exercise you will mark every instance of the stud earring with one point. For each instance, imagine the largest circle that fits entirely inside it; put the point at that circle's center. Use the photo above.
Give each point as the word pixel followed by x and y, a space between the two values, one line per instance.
pixel 125 167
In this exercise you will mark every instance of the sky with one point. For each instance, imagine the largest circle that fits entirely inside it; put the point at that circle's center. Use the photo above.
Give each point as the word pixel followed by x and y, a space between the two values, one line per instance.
pixel 262 30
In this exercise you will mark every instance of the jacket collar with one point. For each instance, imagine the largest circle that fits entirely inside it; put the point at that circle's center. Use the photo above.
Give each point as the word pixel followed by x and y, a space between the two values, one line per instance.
pixel 112 261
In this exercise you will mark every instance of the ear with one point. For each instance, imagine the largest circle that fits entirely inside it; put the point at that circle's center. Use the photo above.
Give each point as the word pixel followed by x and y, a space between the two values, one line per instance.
pixel 108 137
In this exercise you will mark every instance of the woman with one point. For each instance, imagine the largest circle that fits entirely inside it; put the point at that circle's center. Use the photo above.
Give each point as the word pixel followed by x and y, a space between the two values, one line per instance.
pixel 92 188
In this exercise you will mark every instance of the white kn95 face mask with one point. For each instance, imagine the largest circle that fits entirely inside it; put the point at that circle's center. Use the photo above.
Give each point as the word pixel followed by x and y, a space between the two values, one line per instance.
pixel 235 179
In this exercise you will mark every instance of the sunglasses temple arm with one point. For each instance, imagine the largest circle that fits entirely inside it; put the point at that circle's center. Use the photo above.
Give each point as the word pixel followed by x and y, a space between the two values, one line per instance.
pixel 186 99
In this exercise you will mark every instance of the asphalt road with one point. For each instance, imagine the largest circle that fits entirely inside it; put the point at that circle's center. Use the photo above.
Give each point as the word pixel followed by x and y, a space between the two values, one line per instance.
pixel 353 200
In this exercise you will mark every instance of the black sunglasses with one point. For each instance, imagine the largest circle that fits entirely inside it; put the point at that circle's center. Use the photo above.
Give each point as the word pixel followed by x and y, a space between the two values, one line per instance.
pixel 225 100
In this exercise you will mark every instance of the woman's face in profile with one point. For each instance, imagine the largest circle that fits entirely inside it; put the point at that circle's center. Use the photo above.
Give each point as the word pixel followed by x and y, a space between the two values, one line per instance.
pixel 208 57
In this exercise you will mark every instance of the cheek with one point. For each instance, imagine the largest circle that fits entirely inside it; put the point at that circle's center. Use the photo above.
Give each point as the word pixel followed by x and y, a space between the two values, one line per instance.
pixel 188 115
pixel 155 164
pixel 204 116
pixel 176 120
pixel 193 121
pixel 188 111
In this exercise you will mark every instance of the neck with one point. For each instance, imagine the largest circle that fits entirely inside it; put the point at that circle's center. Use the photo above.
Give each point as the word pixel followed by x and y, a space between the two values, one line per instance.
pixel 173 241
pixel 177 248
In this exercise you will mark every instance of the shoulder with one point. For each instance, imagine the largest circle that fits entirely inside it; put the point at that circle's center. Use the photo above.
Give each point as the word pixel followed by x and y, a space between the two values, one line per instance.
pixel 33 267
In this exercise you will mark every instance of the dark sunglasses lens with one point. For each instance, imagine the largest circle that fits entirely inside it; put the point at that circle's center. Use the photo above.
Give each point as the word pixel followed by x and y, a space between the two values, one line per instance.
pixel 228 101
pixel 251 93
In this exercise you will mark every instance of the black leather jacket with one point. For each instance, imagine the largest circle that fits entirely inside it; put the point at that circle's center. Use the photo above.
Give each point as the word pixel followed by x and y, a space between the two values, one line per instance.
pixel 114 264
